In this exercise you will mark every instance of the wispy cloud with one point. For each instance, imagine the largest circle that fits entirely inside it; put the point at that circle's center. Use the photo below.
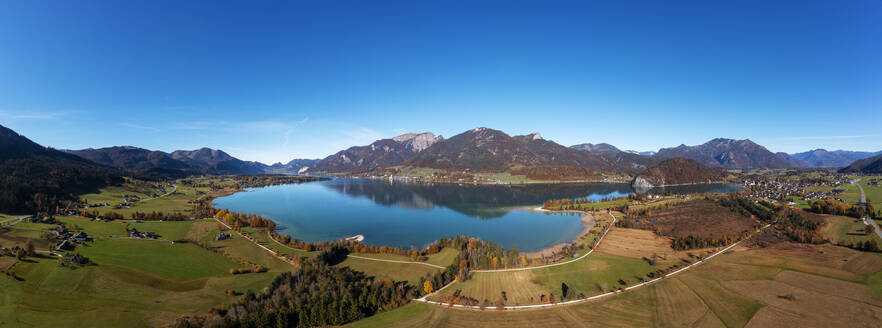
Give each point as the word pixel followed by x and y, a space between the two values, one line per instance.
pixel 34 114
pixel 140 127
pixel 361 134
pixel 824 137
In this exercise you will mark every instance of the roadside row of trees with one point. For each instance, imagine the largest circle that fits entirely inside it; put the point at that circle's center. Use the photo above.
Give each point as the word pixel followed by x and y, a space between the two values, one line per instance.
pixel 238 220
pixel 835 207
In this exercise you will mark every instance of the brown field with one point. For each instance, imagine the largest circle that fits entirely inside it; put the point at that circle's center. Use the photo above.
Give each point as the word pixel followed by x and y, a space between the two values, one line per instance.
pixel 637 243
pixel 824 260
pixel 785 285
pixel 702 218
pixel 793 306
pixel 200 229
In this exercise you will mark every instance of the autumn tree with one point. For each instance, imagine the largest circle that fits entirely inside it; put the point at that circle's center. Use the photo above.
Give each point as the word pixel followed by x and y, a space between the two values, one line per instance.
pixel 29 248
pixel 427 287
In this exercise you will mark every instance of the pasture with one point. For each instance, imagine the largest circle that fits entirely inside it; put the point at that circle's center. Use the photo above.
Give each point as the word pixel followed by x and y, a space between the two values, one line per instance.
pixel 748 285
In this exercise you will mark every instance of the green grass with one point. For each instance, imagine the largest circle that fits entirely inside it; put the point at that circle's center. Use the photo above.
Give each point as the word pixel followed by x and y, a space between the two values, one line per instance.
pixel 395 271
pixel 264 239
pixel 847 231
pixel 111 295
pixel 241 249
pixel 179 261
pixel 94 228
pixel 387 318
pixel 593 275
pixel 443 258
pixel 169 230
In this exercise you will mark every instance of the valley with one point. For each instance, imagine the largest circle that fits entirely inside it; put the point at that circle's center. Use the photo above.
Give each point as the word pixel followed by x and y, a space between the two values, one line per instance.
pixel 458 244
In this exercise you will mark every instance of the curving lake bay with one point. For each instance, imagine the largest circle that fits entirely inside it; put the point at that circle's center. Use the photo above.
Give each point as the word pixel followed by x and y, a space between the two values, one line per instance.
pixel 414 215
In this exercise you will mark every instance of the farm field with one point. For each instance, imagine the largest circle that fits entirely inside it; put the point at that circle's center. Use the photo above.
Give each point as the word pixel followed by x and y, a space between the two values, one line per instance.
pixel 263 239
pixel 593 275
pixel 846 230
pixel 410 272
pixel 742 287
pixel 638 244
pixel 130 283
pixel 701 218
pixel 443 258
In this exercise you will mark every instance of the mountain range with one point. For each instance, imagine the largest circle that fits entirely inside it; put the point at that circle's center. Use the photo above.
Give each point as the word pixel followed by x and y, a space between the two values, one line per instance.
pixel 870 165
pixel 182 163
pixel 836 158
pixel 477 150
pixel 380 153
pixel 36 177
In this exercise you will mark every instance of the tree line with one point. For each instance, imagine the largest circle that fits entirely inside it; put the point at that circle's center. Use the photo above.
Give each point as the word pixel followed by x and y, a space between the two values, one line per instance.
pixel 312 295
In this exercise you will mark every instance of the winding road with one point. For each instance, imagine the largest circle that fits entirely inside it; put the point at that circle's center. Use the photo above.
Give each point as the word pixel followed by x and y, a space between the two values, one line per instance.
pixel 867 220
pixel 590 298
pixel 19 218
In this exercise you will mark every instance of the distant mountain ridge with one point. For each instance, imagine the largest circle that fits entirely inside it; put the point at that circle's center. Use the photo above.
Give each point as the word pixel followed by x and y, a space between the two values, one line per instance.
pixel 179 163
pixel 601 148
pixel 136 159
pixel 729 154
pixel 489 150
pixel 871 165
pixel 36 177
pixel 837 158
pixel 380 153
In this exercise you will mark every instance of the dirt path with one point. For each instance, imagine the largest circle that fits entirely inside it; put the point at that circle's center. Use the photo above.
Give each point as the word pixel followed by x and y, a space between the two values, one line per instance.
pixel 867 220
pixel 590 298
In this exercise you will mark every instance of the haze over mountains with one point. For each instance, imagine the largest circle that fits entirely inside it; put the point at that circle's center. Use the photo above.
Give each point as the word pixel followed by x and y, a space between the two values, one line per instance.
pixel 480 149
pixel 486 149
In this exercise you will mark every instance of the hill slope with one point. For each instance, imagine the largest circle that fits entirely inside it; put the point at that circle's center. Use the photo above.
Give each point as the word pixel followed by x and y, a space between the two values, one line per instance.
pixel 728 153
pixel 872 165
pixel 488 150
pixel 677 170
pixel 380 153
pixel 35 177
pixel 137 159
pixel 836 158
pixel 601 148
pixel 794 162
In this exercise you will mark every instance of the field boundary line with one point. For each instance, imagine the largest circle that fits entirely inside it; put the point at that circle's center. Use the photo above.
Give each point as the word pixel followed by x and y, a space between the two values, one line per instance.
pixel 395 261
pixel 595 297
pixel 253 241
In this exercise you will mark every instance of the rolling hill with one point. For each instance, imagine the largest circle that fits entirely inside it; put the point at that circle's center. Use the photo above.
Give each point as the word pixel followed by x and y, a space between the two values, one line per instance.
pixel 137 160
pixel 872 165
pixel 488 150
pixel 836 158
pixel 36 177
pixel 729 154
pixel 601 148
pixel 381 153
pixel 678 170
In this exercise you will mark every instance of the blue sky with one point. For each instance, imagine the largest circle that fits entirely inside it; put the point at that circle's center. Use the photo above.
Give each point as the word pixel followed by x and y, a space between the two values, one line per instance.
pixel 271 81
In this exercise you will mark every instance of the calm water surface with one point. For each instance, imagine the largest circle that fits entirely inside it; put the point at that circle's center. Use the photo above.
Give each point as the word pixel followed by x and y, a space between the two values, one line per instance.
pixel 414 215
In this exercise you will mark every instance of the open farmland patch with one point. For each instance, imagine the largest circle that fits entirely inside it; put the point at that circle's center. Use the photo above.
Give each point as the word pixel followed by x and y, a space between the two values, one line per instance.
pixel 701 219
pixel 803 307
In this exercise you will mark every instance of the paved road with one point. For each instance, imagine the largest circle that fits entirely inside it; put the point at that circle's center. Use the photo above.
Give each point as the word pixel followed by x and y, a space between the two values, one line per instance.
pixel 590 298
pixel 867 221
pixel 16 218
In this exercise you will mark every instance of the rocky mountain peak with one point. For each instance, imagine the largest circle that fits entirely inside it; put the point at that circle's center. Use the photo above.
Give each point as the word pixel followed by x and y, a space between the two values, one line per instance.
pixel 418 141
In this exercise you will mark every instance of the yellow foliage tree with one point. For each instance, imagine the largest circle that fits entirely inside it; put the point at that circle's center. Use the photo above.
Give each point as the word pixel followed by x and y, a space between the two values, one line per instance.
pixel 427 286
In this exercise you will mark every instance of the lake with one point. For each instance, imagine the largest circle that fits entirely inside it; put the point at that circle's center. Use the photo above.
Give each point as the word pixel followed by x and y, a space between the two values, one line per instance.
pixel 415 215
